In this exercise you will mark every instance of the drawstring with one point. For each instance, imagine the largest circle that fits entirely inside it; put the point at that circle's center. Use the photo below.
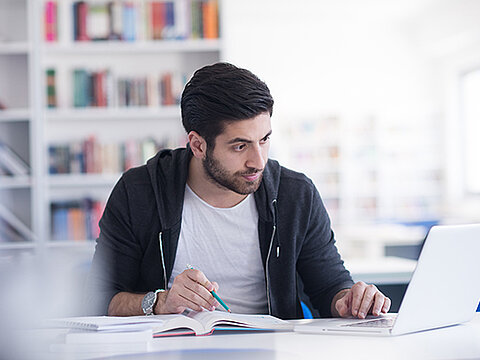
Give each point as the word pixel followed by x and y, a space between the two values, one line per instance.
pixel 275 211
pixel 162 258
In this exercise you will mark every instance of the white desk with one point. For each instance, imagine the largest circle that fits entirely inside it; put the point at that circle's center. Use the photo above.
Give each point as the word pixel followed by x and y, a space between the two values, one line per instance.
pixel 457 342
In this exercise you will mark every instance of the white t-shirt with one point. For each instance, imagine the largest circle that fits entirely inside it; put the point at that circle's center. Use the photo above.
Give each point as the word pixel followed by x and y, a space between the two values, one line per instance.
pixel 223 244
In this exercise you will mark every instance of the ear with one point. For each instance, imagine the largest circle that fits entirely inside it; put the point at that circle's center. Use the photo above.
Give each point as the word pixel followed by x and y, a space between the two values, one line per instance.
pixel 197 144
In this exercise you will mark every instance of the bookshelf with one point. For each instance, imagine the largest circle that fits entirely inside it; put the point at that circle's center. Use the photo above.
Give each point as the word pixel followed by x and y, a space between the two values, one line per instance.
pixel 150 54
pixel 121 120
pixel 18 177
pixel 364 168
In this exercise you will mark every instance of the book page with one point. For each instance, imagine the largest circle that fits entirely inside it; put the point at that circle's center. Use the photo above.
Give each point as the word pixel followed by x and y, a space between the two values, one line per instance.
pixel 178 321
pixel 214 318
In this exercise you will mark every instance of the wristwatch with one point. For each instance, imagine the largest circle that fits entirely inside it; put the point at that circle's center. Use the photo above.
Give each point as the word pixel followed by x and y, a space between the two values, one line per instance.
pixel 149 300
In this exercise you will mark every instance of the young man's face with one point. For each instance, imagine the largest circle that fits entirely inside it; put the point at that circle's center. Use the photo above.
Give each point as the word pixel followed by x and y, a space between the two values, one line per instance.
pixel 240 154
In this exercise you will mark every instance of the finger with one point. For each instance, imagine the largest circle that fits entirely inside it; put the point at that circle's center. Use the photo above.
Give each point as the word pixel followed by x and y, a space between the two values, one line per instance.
pixel 386 305
pixel 190 303
pixel 186 287
pixel 357 296
pixel 367 301
pixel 379 299
pixel 201 296
pixel 343 305
pixel 174 303
pixel 199 277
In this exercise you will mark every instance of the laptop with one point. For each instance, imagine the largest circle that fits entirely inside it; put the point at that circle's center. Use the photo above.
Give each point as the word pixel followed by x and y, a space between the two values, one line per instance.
pixel 444 289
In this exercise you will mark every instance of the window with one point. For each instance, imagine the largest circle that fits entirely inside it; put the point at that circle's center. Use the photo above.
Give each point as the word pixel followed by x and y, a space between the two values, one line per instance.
pixel 470 110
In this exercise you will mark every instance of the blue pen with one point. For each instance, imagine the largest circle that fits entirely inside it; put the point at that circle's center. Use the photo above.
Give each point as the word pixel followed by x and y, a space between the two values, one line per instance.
pixel 214 294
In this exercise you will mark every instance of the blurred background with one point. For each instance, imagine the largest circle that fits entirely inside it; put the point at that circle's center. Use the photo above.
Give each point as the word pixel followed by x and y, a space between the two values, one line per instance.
pixel 375 100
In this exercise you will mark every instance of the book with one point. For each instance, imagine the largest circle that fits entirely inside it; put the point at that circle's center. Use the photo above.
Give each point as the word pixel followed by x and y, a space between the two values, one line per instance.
pixel 210 19
pixel 98 21
pixel 157 13
pixel 75 220
pixel 115 21
pixel 51 21
pixel 51 88
pixel 189 322
pixel 182 19
pixel 80 11
pixel 129 15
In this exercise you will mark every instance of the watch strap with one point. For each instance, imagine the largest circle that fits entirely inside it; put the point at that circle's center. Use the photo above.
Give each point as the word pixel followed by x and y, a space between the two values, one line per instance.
pixel 149 310
pixel 156 299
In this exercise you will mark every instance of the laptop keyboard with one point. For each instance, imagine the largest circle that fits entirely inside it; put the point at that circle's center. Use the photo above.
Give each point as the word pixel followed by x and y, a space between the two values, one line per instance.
pixel 377 323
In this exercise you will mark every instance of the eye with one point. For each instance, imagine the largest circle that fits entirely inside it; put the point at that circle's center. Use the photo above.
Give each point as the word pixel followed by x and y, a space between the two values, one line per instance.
pixel 239 147
pixel 265 139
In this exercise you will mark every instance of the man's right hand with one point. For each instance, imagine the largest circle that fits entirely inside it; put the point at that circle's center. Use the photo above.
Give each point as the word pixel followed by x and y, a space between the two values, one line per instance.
pixel 191 289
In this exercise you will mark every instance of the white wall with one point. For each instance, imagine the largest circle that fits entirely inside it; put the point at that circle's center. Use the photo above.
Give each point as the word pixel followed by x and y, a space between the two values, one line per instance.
pixel 326 54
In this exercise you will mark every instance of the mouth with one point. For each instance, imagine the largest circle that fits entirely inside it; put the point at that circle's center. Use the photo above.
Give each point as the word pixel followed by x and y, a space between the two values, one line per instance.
pixel 252 177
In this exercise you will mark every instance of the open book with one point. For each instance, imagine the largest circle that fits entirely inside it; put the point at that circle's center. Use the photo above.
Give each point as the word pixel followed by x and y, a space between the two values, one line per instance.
pixel 189 322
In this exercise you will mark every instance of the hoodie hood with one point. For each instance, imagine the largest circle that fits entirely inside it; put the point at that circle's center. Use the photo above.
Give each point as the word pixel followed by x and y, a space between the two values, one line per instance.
pixel 168 171
pixel 267 193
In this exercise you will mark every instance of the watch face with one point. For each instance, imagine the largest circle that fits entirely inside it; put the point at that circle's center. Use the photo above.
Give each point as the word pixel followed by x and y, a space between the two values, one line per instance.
pixel 148 301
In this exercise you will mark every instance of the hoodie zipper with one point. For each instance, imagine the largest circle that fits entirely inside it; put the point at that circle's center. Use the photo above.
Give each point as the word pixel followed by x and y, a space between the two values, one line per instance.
pixel 163 260
pixel 274 230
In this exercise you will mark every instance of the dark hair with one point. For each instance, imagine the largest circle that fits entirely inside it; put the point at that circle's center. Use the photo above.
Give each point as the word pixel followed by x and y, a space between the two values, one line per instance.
pixel 222 93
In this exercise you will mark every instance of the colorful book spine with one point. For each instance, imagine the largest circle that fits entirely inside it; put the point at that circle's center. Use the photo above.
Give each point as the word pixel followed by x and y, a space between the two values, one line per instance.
pixel 115 20
pixel 138 20
pixel 89 156
pixel 182 19
pixel 51 27
pixel 129 21
pixel 157 19
pixel 102 89
pixel 210 19
pixel 51 88
pixel 75 220
pixel 98 21
pixel 168 31
pixel 80 16
pixel 167 98
pixel 196 19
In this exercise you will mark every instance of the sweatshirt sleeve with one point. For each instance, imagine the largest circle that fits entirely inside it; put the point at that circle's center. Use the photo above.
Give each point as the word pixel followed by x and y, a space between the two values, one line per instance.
pixel 116 262
pixel 319 264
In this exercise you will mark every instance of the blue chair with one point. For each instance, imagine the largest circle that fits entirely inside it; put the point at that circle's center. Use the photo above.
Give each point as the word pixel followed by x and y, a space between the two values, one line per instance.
pixel 307 314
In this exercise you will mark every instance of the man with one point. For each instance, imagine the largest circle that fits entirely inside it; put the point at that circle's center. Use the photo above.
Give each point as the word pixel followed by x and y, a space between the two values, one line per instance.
pixel 247 225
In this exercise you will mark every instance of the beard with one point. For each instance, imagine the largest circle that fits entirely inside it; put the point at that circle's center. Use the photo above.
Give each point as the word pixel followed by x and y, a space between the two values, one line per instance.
pixel 233 182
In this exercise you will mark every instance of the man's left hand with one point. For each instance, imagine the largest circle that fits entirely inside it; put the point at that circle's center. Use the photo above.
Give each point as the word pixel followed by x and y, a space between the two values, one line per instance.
pixel 359 301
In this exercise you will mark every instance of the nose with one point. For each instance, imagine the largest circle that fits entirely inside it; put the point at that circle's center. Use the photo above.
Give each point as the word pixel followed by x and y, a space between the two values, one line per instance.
pixel 256 158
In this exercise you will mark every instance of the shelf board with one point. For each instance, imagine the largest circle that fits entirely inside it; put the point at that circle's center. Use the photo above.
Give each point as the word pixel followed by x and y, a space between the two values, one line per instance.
pixel 82 180
pixel 14 48
pixel 14 115
pixel 113 114
pixel 16 245
pixel 133 48
pixel 15 182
